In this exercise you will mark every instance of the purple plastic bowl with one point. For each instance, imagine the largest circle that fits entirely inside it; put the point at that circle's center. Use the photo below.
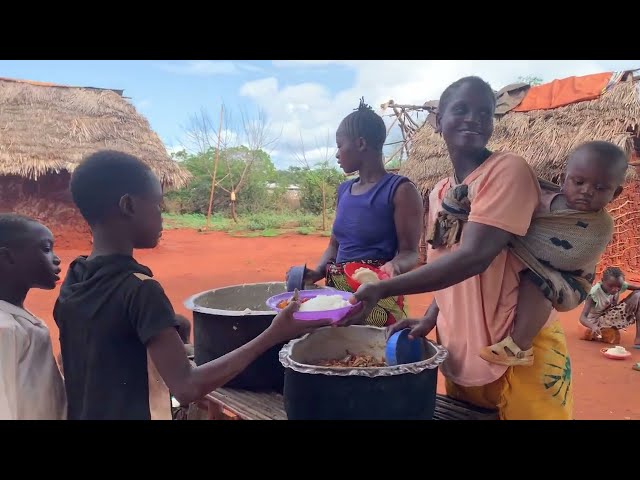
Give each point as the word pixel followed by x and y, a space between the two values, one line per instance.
pixel 335 315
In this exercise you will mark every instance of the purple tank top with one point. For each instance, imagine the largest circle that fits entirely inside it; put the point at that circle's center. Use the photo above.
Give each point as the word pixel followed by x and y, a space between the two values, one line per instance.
pixel 364 226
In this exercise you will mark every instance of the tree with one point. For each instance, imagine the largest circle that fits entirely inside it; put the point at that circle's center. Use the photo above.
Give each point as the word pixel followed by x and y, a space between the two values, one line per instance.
pixel 318 180
pixel 531 80
pixel 195 197
pixel 246 149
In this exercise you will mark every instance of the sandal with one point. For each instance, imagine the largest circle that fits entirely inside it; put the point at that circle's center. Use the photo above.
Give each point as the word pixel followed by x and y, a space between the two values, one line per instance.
pixel 507 353
pixel 636 367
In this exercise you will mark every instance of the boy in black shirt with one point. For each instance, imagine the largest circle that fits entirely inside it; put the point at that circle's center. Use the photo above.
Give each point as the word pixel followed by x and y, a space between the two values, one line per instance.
pixel 111 313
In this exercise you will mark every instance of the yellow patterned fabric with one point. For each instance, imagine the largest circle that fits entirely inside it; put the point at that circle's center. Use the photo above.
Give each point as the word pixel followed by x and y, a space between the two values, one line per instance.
pixel 542 391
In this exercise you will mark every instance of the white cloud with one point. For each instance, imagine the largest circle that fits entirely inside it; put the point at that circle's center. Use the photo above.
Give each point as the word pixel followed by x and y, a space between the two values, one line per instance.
pixel 260 88
pixel 143 105
pixel 316 155
pixel 194 143
pixel 173 148
pixel 311 110
pixel 249 67
pixel 311 63
pixel 208 67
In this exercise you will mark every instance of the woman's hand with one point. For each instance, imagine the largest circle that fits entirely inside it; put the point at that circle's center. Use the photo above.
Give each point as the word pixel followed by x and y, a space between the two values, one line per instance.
pixel 313 276
pixel 369 294
pixel 310 276
pixel 419 328
pixel 390 269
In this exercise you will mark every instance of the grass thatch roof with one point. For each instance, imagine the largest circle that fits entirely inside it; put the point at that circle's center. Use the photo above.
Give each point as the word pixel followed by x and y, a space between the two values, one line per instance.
pixel 543 137
pixel 46 127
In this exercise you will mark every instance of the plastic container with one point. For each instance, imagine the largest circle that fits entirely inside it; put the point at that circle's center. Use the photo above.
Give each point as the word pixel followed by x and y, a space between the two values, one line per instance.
pixel 334 315
pixel 615 356
pixel 295 278
pixel 402 350
pixel 350 269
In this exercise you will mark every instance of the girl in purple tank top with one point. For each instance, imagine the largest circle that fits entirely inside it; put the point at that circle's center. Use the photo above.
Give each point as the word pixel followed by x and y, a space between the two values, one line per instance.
pixel 378 215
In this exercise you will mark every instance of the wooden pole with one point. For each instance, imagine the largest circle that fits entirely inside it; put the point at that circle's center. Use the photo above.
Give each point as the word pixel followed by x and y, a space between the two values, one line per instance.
pixel 215 169
pixel 324 206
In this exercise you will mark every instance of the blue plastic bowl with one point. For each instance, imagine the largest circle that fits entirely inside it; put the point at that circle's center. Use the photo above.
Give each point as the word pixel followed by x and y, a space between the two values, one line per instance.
pixel 401 349
pixel 296 278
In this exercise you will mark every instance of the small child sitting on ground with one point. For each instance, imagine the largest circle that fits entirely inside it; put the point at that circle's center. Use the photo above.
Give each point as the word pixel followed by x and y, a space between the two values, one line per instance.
pixel 604 314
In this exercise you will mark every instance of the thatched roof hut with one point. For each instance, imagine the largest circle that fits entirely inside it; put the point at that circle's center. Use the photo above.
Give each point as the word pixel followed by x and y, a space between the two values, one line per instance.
pixel 50 128
pixel 47 129
pixel 544 138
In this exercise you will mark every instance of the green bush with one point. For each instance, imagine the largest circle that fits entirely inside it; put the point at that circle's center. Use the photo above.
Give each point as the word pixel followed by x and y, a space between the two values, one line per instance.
pixel 307 221
pixel 311 189
pixel 264 221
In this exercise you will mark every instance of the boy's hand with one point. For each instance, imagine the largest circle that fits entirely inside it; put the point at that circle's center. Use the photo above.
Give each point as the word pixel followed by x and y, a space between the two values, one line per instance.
pixel 284 327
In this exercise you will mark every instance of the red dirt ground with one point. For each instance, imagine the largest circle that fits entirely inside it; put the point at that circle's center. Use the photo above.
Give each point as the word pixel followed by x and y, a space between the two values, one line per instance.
pixel 187 262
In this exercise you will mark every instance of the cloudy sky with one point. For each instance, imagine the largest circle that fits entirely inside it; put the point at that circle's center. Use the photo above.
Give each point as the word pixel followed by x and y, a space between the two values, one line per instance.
pixel 302 100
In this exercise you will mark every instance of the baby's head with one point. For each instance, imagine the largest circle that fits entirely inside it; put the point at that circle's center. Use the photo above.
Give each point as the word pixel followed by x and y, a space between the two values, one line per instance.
pixel 594 176
pixel 612 280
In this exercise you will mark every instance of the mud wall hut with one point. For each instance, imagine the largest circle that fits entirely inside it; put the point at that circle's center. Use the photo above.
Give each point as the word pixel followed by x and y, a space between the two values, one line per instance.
pixel 47 129
pixel 545 137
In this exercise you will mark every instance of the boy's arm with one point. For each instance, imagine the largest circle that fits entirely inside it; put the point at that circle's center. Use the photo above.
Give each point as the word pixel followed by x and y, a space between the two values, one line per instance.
pixel 154 320
pixel 8 374
pixel 188 383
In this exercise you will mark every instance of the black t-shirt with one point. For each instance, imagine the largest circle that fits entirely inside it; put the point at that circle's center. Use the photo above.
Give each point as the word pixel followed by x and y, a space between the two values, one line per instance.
pixel 108 310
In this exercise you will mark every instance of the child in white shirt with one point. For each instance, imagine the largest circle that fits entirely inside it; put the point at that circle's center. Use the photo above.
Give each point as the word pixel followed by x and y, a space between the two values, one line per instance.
pixel 31 385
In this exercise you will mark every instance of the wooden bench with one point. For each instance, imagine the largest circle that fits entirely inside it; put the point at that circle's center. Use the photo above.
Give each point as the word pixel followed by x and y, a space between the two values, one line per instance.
pixel 234 404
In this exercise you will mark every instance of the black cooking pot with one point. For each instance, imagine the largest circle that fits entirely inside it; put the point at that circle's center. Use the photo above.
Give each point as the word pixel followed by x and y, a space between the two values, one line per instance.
pixel 226 318
pixel 400 392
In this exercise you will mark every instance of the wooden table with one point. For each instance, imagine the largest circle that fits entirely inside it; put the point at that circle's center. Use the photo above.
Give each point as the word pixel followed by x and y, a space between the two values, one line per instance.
pixel 234 404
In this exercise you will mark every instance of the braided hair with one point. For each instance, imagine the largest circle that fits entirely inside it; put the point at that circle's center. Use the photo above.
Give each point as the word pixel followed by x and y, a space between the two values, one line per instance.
pixel 612 272
pixel 364 122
